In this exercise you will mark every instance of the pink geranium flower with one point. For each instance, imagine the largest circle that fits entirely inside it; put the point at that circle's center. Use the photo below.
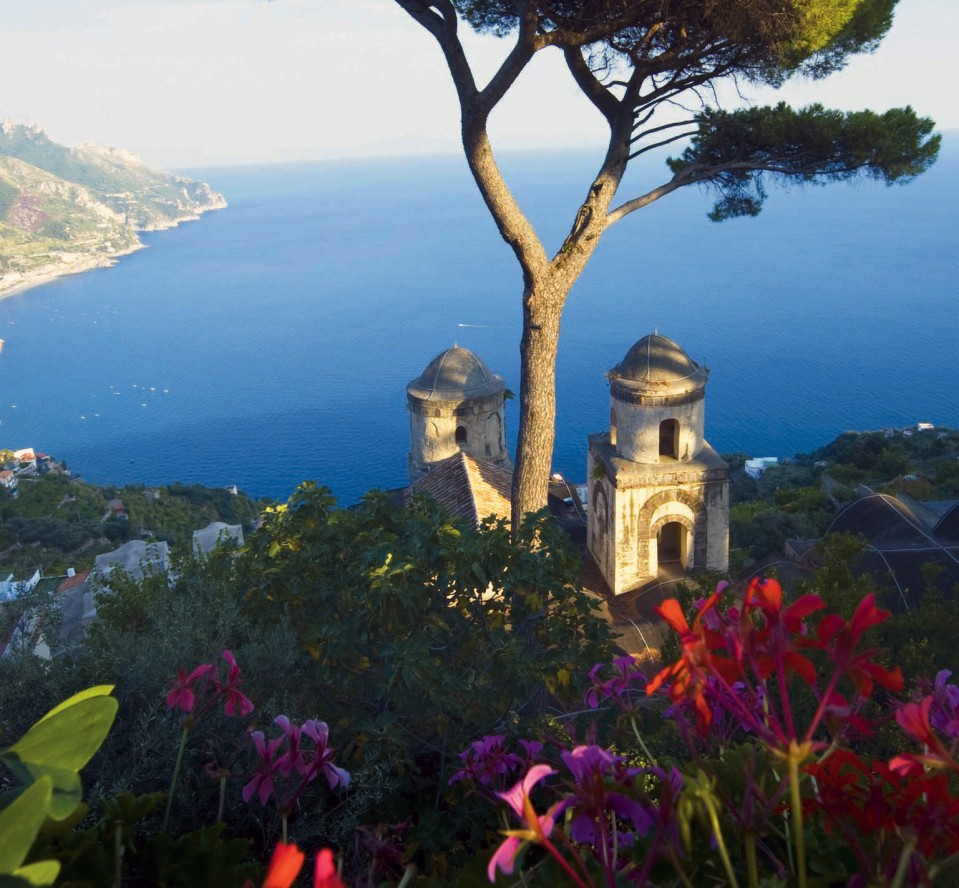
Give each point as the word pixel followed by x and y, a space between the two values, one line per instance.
pixel 319 760
pixel 230 689
pixel 538 827
pixel 262 783
pixel 183 695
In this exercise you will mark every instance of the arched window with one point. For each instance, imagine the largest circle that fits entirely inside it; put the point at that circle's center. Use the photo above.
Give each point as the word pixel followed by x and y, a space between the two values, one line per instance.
pixel 460 435
pixel 669 439
pixel 612 427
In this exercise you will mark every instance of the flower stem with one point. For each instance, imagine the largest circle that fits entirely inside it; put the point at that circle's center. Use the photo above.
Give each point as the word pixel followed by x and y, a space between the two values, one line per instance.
pixel 751 865
pixel 219 810
pixel 799 837
pixel 176 774
pixel 641 742
pixel 898 880
pixel 549 846
pixel 678 867
pixel 720 842
pixel 823 703
pixel 283 820
pixel 118 853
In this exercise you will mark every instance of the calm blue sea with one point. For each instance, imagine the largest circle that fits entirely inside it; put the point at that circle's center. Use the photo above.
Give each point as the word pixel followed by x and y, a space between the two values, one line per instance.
pixel 272 342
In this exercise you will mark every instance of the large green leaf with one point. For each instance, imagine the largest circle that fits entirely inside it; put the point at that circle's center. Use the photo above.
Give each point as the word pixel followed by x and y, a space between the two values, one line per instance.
pixel 41 874
pixel 67 788
pixel 89 693
pixel 61 743
pixel 20 822
pixel 68 736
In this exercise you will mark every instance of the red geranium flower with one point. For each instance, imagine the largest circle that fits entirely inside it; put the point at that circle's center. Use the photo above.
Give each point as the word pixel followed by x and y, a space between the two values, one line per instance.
pixel 286 863
pixel 687 676
pixel 914 719
pixel 840 640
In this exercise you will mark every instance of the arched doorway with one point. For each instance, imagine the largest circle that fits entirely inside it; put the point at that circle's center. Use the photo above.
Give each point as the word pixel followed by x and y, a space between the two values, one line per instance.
pixel 672 545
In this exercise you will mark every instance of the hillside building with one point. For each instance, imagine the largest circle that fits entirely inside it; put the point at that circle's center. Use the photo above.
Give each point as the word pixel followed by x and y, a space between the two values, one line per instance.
pixel 658 492
pixel 456 405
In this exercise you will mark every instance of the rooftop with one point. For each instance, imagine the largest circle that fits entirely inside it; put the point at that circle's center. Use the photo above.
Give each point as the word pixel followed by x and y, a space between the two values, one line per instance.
pixel 659 364
pixel 455 375
pixel 468 488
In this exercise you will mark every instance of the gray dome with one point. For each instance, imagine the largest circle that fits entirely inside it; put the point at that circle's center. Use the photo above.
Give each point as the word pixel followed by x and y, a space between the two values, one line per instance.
pixel 456 375
pixel 658 363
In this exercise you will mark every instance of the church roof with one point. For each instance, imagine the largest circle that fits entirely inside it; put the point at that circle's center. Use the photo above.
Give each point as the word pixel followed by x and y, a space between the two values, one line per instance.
pixel 656 362
pixel 455 375
pixel 468 488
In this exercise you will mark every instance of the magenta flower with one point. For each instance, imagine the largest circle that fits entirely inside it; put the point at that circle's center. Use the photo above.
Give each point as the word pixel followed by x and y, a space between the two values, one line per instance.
pixel 231 689
pixel 183 695
pixel 487 762
pixel 619 687
pixel 285 775
pixel 944 713
pixel 291 759
pixel 262 782
pixel 601 787
pixel 538 827
pixel 320 758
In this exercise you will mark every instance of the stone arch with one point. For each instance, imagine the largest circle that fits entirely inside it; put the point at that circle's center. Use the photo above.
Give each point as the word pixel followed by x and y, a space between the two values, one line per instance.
pixel 461 436
pixel 689 527
pixel 677 518
pixel 647 536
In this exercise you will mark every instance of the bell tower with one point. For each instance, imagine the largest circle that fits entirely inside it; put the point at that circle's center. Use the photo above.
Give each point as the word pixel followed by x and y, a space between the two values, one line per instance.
pixel 456 404
pixel 659 494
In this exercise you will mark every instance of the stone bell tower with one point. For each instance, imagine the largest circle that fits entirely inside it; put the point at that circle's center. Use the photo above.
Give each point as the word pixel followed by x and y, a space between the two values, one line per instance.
pixel 658 492
pixel 456 404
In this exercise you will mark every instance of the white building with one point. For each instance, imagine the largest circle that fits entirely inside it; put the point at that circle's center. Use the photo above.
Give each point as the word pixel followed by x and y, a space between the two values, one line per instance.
pixel 755 467
pixel 658 492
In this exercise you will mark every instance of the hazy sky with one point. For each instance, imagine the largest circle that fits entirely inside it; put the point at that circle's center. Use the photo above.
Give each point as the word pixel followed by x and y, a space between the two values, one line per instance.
pixel 199 82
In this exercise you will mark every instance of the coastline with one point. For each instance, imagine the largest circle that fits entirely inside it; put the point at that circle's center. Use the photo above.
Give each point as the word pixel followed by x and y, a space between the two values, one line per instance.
pixel 57 269
pixel 47 273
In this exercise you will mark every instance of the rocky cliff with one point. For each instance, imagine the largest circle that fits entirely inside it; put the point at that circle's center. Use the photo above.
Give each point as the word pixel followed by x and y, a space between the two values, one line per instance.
pixel 64 209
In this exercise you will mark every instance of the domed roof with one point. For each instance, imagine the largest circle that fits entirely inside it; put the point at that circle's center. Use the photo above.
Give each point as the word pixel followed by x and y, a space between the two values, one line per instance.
pixel 456 375
pixel 658 363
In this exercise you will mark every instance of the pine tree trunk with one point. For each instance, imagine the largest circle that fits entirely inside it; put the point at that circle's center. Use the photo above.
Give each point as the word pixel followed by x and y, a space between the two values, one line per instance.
pixel 542 308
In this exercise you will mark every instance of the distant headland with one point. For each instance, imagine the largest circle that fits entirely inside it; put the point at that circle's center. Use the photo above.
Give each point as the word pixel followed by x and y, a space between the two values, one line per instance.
pixel 65 210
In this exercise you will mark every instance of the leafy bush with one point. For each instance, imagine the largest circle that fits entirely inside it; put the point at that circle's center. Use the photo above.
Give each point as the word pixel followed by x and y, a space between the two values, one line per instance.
pixel 420 631
pixel 407 632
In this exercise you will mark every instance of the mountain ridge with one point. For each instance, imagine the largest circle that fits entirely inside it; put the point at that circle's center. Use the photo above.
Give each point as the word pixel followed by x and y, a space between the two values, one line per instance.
pixel 65 210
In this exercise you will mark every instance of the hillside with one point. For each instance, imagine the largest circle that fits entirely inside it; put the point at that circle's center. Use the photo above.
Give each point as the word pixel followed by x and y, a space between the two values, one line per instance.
pixel 56 521
pixel 64 210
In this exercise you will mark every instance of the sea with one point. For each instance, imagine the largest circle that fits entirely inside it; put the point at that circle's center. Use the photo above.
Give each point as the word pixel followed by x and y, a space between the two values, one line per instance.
pixel 272 342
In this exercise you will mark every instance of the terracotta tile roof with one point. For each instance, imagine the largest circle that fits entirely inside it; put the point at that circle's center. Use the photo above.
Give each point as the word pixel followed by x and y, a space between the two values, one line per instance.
pixel 74 581
pixel 468 488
